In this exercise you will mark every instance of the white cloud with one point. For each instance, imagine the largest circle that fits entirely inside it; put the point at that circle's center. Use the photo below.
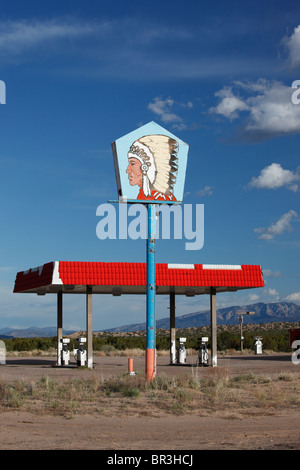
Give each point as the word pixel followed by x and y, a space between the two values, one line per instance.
pixel 264 296
pixel 293 45
pixel 270 273
pixel 282 225
pixel 272 292
pixel 253 297
pixel 163 109
pixel 128 47
pixel 274 177
pixel 15 36
pixel 267 106
pixel 229 105
pixel 294 297
pixel 273 111
pixel 206 191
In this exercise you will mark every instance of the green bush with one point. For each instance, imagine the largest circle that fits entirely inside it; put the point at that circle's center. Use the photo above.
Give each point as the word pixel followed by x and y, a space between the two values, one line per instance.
pixel 228 340
pixel 276 340
pixel 30 344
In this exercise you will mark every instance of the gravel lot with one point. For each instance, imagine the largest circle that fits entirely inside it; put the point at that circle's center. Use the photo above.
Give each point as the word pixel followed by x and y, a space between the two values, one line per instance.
pixel 137 431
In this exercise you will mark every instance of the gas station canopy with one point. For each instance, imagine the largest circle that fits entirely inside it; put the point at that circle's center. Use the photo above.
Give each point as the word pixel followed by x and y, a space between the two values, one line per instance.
pixel 76 277
pixel 162 159
pixel 131 278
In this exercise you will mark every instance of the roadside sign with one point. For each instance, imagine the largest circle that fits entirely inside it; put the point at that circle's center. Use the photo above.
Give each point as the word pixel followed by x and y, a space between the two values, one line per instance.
pixel 150 165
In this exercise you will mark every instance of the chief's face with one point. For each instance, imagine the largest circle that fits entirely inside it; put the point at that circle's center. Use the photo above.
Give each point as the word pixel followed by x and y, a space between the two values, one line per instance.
pixel 134 172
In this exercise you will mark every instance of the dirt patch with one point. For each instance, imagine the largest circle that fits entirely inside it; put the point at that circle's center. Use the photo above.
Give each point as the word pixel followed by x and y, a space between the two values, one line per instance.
pixel 21 430
pixel 247 402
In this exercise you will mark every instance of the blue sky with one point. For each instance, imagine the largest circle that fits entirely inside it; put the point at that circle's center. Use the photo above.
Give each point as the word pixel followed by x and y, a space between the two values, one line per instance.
pixel 79 75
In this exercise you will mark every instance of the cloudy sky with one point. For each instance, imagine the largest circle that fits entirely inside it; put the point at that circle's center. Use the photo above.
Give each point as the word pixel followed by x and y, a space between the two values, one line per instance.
pixel 222 76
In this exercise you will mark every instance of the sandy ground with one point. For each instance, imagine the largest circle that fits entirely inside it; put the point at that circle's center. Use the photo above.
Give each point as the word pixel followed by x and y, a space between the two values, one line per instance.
pixel 21 430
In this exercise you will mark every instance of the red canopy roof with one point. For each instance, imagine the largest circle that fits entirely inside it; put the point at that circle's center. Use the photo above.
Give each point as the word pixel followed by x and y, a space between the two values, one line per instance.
pixel 130 278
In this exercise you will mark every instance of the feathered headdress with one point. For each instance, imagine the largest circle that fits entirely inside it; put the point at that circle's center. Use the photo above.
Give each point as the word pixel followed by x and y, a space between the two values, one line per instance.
pixel 158 157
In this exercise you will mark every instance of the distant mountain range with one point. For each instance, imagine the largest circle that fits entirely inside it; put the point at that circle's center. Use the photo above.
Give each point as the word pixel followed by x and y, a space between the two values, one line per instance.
pixel 263 313
pixel 31 332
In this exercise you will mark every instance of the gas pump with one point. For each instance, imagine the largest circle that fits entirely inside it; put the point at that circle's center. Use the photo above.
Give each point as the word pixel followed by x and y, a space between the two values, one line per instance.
pixel 203 356
pixel 65 353
pixel 258 345
pixel 80 352
pixel 181 352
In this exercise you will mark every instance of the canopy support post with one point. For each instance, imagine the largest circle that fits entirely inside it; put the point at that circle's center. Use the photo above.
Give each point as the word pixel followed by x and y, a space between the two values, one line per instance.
pixel 59 326
pixel 89 330
pixel 172 329
pixel 213 324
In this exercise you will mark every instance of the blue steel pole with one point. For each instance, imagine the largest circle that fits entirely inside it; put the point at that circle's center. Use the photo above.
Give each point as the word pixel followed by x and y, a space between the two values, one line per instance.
pixel 151 287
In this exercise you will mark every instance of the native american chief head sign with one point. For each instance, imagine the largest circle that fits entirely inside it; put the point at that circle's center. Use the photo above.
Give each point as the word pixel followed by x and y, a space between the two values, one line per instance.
pixel 150 164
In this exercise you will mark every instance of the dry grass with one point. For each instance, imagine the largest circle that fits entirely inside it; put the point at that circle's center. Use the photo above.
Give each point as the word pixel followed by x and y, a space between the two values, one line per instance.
pixel 113 352
pixel 134 352
pixel 214 393
pixel 105 351
pixel 51 352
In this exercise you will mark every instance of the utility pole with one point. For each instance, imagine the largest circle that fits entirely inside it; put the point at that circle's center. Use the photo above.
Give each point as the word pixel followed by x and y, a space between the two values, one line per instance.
pixel 241 325
pixel 151 288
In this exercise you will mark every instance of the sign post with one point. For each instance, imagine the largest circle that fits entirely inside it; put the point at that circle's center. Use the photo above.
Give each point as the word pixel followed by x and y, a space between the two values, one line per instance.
pixel 241 326
pixel 151 287
pixel 150 165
